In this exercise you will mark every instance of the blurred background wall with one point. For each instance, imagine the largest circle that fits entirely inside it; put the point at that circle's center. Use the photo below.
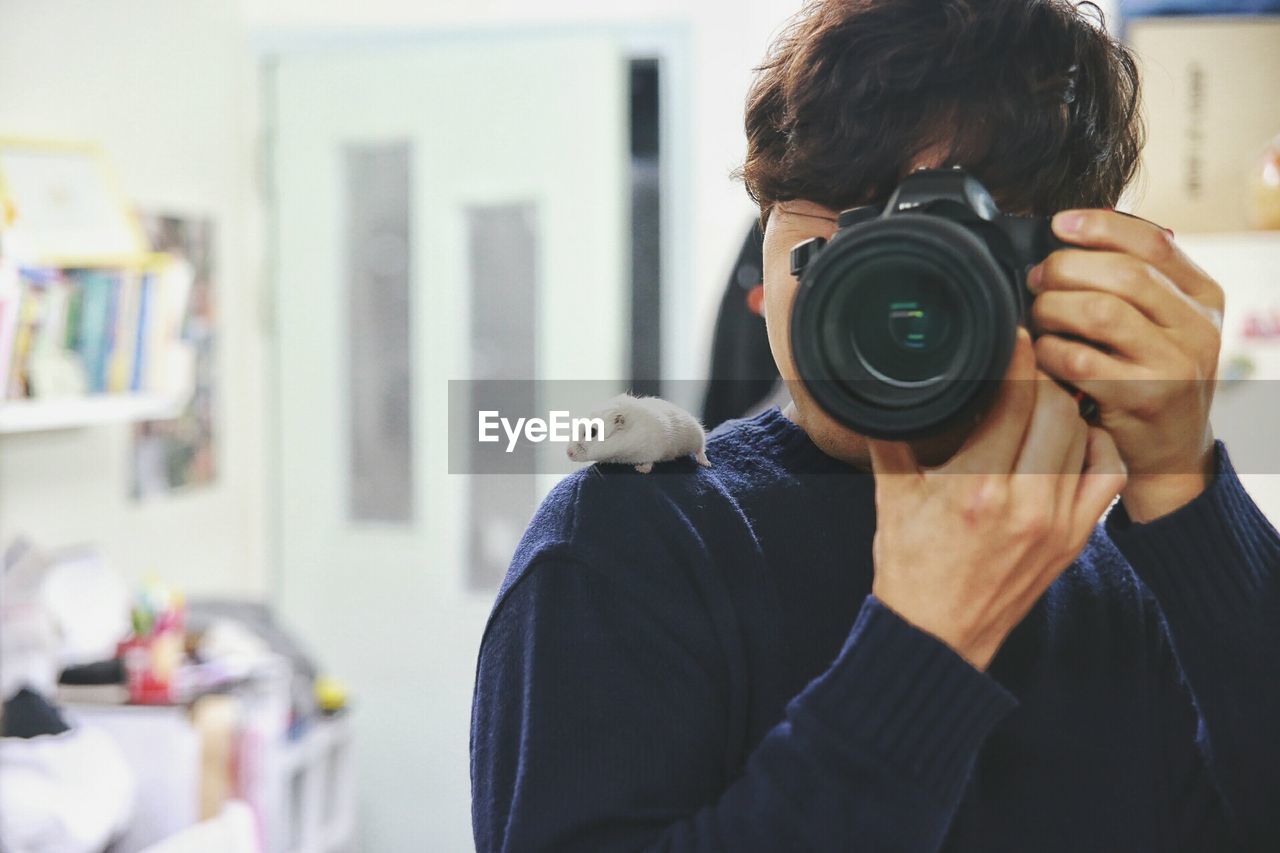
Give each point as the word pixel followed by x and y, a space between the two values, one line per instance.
pixel 168 89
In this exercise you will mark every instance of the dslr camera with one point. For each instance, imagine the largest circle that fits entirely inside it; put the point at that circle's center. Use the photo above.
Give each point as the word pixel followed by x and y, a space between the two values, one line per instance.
pixel 905 320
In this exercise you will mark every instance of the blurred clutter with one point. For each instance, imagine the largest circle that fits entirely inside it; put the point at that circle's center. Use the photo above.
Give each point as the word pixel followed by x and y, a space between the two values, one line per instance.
pixel 130 717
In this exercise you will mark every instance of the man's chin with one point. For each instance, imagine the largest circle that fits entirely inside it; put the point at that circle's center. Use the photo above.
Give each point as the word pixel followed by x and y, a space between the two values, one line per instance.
pixel 839 441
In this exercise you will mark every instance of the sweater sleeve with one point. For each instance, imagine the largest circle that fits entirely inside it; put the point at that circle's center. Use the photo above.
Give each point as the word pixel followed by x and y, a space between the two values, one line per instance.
pixel 597 727
pixel 1194 816
pixel 1214 568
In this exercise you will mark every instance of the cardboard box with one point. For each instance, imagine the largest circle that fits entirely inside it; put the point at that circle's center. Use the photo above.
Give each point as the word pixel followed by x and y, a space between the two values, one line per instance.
pixel 1211 98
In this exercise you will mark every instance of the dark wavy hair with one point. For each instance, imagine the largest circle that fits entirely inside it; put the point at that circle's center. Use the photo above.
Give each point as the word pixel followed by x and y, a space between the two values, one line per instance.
pixel 1031 96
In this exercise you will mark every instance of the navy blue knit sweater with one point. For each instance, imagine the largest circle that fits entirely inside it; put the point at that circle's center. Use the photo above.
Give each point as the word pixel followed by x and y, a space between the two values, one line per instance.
pixel 691 660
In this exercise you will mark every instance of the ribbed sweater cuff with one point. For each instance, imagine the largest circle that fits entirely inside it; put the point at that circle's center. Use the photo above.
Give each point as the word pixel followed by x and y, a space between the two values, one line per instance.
pixel 1210 558
pixel 905 697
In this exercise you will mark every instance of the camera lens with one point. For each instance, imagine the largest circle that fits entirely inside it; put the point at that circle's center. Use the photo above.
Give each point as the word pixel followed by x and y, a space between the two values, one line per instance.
pixel 899 317
pixel 901 323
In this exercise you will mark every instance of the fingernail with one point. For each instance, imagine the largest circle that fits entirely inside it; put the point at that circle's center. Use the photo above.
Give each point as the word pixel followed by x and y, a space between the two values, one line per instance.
pixel 1033 277
pixel 1068 223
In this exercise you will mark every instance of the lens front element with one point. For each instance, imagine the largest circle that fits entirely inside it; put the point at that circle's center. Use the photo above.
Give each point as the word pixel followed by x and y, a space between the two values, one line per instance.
pixel 903 320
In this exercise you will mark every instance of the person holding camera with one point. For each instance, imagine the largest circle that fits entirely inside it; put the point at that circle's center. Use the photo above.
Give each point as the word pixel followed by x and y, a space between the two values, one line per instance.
pixel 888 618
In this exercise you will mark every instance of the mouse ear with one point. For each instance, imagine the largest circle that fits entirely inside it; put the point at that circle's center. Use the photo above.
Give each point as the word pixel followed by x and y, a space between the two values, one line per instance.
pixel 619 419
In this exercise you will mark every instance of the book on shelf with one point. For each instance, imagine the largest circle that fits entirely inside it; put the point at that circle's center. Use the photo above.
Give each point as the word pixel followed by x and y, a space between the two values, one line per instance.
pixel 76 332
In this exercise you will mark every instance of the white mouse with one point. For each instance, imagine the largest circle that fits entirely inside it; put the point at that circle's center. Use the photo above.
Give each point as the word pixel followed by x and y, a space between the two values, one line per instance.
pixel 640 431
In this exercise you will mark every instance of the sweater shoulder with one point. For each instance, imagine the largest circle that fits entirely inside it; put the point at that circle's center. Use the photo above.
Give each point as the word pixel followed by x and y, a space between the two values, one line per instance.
pixel 613 519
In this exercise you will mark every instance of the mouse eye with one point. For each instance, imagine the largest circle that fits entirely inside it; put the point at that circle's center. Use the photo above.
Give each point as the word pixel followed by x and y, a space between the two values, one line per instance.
pixel 591 433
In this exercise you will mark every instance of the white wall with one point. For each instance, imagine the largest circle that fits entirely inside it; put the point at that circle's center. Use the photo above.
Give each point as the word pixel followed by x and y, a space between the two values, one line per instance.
pixel 166 88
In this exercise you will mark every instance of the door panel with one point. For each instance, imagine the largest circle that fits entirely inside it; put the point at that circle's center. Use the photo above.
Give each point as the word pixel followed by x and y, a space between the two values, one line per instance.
pixel 508 152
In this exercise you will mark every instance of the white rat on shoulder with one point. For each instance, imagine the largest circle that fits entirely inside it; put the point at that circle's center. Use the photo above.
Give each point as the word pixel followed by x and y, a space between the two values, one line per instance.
pixel 640 431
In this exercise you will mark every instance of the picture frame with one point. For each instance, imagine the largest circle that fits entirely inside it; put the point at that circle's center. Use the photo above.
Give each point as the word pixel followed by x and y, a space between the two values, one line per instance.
pixel 61 205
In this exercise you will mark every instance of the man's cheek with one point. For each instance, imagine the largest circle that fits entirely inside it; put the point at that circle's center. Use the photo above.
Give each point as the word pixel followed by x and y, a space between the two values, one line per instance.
pixel 777 304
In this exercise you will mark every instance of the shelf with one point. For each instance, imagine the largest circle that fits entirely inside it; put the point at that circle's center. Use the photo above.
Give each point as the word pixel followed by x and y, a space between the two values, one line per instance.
pixel 71 412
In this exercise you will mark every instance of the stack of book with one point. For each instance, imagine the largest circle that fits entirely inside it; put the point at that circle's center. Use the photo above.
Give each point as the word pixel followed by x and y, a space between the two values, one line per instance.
pixel 74 332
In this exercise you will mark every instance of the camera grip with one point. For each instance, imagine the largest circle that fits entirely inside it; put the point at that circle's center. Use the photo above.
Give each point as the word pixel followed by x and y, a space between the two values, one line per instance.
pixel 1034 238
pixel 1031 237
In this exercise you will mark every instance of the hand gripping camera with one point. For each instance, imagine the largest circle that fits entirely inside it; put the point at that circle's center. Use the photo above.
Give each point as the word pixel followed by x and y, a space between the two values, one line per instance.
pixel 905 320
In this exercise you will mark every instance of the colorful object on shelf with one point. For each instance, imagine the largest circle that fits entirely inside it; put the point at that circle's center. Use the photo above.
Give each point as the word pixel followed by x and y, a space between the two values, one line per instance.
pixel 1261 324
pixel 331 695
pixel 1266 188
pixel 1237 368
pixel 153 653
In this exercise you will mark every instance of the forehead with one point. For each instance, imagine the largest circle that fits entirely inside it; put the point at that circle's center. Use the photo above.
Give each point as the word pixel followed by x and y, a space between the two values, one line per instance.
pixel 795 212
pixel 933 157
pixel 791 221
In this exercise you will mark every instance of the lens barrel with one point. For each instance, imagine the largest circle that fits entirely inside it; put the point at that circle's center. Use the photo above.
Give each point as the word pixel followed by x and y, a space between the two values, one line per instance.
pixel 903 325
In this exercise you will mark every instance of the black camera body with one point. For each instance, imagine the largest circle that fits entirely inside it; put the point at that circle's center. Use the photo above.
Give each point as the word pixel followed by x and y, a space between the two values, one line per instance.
pixel 905 320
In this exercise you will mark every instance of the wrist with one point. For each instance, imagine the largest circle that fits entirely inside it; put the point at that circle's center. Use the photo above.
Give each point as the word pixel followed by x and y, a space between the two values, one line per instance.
pixel 1179 481
pixel 1147 497
pixel 976 643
